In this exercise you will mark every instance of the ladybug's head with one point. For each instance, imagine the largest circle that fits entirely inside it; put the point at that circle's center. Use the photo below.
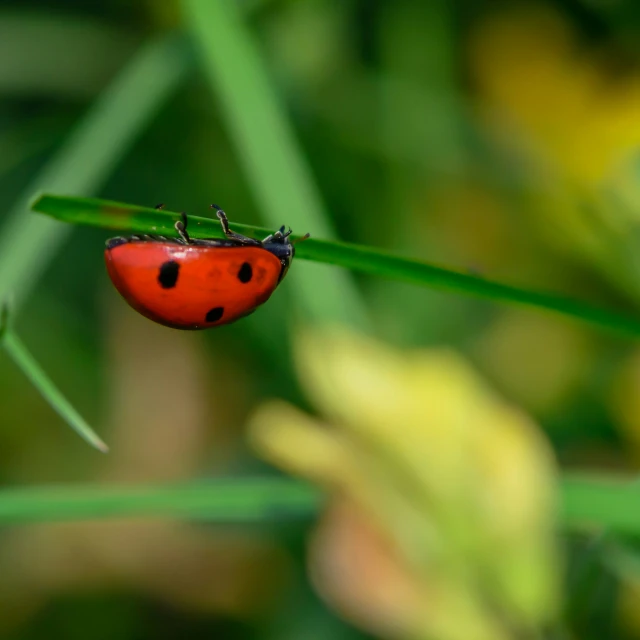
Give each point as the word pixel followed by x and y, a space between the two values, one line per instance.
pixel 281 246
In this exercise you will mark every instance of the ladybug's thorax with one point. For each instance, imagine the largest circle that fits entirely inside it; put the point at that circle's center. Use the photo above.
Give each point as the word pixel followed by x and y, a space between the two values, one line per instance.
pixel 283 250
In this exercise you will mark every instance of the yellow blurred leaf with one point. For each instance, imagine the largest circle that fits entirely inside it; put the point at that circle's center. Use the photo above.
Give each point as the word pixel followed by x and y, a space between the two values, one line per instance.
pixel 450 491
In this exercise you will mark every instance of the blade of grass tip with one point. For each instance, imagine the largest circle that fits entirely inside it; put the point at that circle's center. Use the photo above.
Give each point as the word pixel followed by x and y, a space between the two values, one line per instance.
pixel 380 263
pixel 115 215
pixel 87 157
pixel 122 217
pixel 272 158
pixel 26 362
pixel 238 500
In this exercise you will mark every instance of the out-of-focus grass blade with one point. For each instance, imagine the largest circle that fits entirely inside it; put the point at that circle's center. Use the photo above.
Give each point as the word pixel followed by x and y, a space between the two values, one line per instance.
pixel 21 356
pixel 87 157
pixel 46 53
pixel 31 138
pixel 274 163
pixel 595 503
pixel 586 503
pixel 241 500
pixel 132 219
pixel 622 559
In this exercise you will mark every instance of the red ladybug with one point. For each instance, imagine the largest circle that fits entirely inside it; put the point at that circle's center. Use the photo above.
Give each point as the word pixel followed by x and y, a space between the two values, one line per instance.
pixel 187 283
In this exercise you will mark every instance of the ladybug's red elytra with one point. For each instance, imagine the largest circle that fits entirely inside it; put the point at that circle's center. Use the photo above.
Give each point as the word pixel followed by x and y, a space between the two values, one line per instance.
pixel 188 283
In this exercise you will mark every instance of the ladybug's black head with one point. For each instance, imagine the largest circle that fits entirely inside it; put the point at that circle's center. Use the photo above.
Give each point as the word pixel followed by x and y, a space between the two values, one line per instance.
pixel 280 245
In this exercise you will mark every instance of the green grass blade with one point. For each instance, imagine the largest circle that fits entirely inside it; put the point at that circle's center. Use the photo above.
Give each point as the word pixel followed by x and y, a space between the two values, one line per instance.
pixel 88 156
pixel 586 503
pixel 594 502
pixel 132 219
pixel 268 149
pixel 242 500
pixel 25 361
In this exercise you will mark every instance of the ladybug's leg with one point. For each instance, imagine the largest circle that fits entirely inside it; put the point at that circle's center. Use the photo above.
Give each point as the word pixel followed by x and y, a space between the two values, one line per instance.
pixel 222 216
pixel 280 233
pixel 275 235
pixel 181 228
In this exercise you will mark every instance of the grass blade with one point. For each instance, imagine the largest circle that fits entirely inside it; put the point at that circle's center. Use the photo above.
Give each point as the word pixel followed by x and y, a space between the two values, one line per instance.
pixel 601 503
pixel 267 146
pixel 25 361
pixel 586 503
pixel 87 157
pixel 133 219
pixel 242 500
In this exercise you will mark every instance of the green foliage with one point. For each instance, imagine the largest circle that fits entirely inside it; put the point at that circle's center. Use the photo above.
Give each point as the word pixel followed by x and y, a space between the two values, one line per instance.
pixel 411 129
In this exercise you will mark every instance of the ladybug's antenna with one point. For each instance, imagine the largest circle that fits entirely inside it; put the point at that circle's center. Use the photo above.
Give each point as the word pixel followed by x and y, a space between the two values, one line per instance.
pixel 302 239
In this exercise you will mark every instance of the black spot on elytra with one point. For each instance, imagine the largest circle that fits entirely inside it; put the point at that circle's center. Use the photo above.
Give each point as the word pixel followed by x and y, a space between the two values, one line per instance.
pixel 246 273
pixel 214 314
pixel 168 274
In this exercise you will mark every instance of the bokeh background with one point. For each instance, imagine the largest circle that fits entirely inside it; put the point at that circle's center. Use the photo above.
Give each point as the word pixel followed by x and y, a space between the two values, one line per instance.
pixel 498 138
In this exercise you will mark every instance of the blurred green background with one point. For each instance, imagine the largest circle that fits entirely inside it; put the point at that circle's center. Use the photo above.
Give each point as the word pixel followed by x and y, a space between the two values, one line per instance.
pixel 497 138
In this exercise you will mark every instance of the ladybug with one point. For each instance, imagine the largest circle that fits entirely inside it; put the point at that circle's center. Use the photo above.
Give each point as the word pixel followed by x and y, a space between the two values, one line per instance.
pixel 188 283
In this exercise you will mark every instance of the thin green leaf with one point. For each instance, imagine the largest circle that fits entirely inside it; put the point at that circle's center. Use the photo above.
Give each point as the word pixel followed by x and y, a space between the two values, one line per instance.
pixel 586 503
pixel 273 161
pixel 21 356
pixel 242 500
pixel 590 503
pixel 133 219
pixel 87 158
